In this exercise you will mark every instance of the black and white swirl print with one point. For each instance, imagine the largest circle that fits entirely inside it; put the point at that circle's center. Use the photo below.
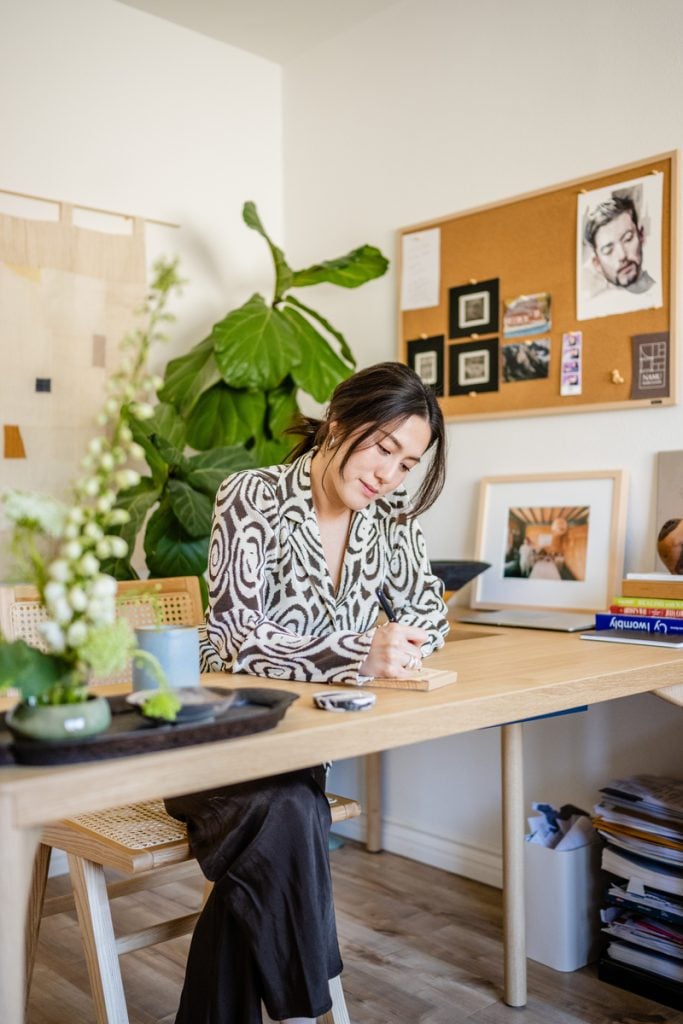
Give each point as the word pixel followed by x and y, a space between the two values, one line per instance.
pixel 273 610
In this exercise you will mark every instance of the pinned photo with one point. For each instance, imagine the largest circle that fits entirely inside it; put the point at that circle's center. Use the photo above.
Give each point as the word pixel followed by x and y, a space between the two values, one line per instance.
pixel 526 315
pixel 570 366
pixel 526 360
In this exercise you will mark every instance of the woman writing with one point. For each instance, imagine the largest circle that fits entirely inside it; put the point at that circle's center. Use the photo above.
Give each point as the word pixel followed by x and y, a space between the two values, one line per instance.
pixel 297 554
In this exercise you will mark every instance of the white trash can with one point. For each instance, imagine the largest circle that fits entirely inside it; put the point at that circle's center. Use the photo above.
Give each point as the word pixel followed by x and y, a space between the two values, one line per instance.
pixel 563 897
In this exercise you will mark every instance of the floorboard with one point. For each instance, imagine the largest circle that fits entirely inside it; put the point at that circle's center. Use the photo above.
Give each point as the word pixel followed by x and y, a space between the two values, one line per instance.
pixel 420 946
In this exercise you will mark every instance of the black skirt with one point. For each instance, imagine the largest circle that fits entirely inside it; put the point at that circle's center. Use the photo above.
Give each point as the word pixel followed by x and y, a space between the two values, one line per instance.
pixel 267 932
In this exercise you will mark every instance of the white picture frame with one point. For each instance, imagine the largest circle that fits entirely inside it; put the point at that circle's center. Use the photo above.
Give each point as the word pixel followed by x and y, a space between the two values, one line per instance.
pixel 574 526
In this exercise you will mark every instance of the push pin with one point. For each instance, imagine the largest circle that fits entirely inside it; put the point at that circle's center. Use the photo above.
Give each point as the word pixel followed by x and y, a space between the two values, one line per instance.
pixel 616 377
pixel 475 336
pixel 473 280
pixel 472 394
pixel 423 336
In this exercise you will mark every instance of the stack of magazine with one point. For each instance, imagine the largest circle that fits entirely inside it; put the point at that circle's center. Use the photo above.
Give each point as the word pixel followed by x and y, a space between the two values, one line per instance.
pixel 641 820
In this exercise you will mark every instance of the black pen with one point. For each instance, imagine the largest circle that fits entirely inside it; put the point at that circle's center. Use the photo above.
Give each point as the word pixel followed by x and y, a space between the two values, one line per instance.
pixel 386 607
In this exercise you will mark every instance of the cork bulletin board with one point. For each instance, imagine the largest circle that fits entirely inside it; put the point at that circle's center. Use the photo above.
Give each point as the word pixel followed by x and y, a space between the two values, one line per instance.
pixel 557 301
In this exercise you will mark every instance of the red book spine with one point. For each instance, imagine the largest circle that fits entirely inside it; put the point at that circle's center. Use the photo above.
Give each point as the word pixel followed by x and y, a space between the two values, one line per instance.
pixel 657 613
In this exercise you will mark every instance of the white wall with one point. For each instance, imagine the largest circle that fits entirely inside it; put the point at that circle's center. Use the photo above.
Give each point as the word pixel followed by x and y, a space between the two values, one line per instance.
pixel 436 106
pixel 106 106
pixel 431 107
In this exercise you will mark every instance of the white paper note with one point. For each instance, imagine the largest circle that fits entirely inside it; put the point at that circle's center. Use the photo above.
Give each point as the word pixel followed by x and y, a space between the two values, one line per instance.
pixel 421 269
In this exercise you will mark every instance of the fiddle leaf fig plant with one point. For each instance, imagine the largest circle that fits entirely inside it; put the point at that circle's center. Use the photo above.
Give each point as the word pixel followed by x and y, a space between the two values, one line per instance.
pixel 227 403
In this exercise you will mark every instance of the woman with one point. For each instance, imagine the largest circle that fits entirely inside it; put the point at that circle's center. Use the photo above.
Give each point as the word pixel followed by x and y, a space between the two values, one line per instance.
pixel 297 555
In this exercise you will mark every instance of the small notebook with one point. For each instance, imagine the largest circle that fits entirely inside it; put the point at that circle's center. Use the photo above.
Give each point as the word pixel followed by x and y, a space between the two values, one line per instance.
pixel 618 636
pixel 426 679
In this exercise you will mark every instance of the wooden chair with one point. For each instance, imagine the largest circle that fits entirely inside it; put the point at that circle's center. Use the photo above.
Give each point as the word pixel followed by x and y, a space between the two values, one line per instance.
pixel 138 840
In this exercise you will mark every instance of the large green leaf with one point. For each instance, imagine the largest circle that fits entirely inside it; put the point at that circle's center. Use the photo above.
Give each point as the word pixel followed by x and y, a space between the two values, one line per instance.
pixel 255 346
pixel 283 272
pixel 282 410
pixel 173 456
pixel 225 416
pixel 349 271
pixel 119 568
pixel 169 550
pixel 346 352
pixel 167 423
pixel 137 501
pixel 272 452
pixel 320 369
pixel 187 377
pixel 209 469
pixel 157 463
pixel 29 670
pixel 192 508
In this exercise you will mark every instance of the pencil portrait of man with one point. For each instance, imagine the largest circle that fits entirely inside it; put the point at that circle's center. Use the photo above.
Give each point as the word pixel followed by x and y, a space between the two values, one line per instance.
pixel 619 248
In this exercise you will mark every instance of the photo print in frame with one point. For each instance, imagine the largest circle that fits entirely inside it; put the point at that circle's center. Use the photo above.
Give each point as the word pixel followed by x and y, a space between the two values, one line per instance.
pixel 473 309
pixel 426 357
pixel 554 541
pixel 473 367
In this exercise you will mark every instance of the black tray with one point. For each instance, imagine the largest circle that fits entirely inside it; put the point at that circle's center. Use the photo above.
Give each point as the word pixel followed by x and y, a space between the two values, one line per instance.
pixel 253 710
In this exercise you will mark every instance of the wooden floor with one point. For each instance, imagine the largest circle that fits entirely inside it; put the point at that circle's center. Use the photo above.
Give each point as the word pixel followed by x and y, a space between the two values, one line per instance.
pixel 420 947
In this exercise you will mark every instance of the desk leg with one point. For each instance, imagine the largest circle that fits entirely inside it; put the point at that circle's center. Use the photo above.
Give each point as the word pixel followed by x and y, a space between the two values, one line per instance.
pixel 373 802
pixel 514 939
pixel 17 851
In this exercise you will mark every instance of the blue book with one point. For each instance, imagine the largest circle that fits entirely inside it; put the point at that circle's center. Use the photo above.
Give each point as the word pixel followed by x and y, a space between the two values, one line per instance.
pixel 638 624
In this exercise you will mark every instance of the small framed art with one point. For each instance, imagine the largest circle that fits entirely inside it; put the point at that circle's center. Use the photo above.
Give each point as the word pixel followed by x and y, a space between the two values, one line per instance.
pixel 554 541
pixel 473 309
pixel 473 367
pixel 425 356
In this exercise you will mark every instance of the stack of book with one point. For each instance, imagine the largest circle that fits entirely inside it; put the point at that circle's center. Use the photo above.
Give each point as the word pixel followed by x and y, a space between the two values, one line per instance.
pixel 641 820
pixel 648 609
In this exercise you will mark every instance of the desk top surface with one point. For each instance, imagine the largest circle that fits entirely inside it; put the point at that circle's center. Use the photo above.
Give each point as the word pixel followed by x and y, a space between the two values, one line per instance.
pixel 504 675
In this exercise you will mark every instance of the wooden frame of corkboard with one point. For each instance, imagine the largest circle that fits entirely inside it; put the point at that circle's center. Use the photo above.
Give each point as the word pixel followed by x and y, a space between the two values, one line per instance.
pixel 527 245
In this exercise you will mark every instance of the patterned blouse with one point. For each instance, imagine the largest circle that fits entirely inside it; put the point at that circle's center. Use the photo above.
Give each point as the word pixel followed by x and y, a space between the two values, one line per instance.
pixel 273 610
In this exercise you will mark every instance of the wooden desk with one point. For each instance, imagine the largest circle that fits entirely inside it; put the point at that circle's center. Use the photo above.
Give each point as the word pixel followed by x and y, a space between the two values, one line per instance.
pixel 504 676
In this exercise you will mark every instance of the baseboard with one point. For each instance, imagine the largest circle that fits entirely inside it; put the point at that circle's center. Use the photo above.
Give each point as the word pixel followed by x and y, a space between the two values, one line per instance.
pixel 477 863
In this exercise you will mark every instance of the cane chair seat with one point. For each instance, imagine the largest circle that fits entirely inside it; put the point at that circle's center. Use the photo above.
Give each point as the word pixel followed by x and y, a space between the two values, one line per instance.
pixel 138 840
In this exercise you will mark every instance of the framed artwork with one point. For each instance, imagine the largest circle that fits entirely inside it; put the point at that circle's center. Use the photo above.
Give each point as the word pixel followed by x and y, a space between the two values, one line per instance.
pixel 473 309
pixel 473 366
pixel 669 513
pixel 425 356
pixel 554 541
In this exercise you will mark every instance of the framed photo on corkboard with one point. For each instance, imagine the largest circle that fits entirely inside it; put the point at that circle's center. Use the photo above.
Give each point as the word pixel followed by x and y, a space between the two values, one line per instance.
pixel 570 291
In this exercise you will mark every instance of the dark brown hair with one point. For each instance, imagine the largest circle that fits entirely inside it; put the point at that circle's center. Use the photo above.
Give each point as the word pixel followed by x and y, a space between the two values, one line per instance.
pixel 370 400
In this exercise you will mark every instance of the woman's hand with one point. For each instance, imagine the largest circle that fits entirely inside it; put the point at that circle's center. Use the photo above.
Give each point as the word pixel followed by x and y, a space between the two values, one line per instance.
pixel 395 651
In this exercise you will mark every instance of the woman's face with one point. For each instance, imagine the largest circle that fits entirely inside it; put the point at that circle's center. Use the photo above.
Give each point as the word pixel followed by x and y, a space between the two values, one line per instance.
pixel 379 466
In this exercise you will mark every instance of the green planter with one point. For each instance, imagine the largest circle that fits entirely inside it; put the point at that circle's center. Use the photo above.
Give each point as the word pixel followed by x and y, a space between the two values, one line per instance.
pixel 50 722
